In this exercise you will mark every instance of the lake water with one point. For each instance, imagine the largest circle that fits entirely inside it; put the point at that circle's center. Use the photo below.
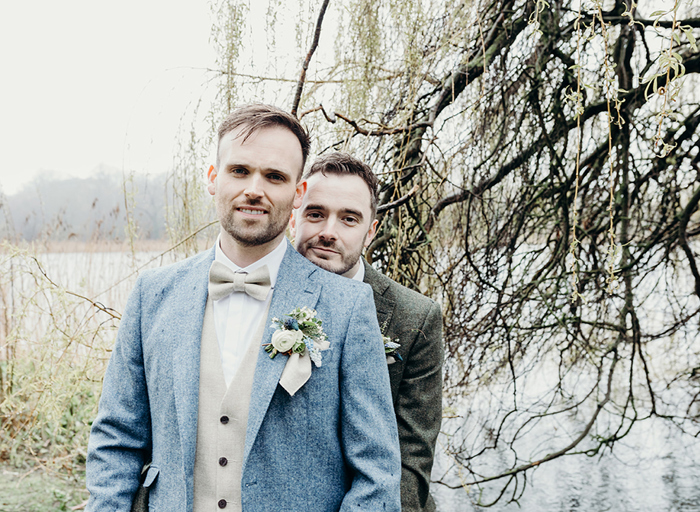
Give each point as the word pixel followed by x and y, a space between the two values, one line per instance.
pixel 654 469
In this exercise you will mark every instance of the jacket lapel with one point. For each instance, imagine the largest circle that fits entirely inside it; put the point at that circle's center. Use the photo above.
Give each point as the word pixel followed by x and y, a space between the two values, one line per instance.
pixel 295 288
pixel 188 316
pixel 385 307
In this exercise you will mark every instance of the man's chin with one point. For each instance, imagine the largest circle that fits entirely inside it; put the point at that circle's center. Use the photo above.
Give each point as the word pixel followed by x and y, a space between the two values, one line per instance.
pixel 335 268
pixel 324 264
pixel 254 237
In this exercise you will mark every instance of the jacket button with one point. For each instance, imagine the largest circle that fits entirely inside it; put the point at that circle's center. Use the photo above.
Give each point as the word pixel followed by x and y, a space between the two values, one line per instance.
pixel 224 420
pixel 223 461
pixel 222 503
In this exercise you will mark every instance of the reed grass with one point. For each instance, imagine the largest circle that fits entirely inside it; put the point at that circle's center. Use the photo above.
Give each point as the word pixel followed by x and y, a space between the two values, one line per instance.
pixel 61 306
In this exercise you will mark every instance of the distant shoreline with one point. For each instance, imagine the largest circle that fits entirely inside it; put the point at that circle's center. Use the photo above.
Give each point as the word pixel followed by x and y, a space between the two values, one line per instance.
pixel 79 246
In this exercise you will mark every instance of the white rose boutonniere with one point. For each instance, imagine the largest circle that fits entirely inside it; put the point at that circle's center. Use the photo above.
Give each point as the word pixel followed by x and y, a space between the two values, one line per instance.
pixel 284 340
pixel 300 333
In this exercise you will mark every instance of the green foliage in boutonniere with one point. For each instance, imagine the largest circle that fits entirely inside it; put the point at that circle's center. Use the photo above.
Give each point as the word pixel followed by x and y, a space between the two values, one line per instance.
pixel 298 333
pixel 390 347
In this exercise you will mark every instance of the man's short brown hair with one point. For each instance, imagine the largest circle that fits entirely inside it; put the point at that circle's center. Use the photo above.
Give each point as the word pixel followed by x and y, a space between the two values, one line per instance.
pixel 342 163
pixel 257 116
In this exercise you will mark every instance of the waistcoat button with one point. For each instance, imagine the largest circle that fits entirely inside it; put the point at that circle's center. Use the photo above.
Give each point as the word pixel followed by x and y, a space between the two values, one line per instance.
pixel 222 503
pixel 223 461
pixel 224 420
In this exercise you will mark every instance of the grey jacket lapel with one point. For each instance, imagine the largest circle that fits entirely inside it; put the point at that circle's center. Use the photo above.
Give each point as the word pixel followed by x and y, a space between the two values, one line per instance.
pixel 188 316
pixel 385 307
pixel 295 288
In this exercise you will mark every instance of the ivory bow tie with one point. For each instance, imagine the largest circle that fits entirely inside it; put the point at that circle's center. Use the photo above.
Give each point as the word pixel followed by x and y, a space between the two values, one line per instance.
pixel 223 281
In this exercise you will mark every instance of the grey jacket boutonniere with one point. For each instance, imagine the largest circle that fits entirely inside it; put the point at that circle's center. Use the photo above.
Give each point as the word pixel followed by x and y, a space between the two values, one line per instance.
pixel 390 347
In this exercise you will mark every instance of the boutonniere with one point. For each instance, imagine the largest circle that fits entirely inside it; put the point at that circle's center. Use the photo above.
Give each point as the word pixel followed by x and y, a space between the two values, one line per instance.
pixel 301 332
pixel 298 336
pixel 390 347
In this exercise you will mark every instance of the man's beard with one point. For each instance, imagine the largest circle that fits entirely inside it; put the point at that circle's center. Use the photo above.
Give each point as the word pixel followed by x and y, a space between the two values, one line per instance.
pixel 347 260
pixel 256 236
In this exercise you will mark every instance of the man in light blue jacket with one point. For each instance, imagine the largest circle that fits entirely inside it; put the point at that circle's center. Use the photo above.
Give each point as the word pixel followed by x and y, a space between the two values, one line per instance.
pixel 190 386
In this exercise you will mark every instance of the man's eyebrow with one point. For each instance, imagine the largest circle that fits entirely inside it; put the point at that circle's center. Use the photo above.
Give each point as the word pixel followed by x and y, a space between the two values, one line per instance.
pixel 345 211
pixel 348 211
pixel 314 207
pixel 280 171
pixel 245 165
pixel 236 165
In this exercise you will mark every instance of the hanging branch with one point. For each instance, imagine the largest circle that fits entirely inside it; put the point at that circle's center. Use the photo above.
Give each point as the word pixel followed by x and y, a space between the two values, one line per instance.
pixel 302 77
pixel 390 206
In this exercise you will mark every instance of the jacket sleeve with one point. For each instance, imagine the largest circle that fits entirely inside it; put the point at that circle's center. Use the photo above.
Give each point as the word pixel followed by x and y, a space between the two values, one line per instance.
pixel 120 436
pixel 368 426
pixel 419 412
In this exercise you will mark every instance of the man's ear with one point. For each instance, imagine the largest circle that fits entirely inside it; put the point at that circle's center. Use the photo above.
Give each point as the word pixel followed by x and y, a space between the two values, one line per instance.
pixel 211 176
pixel 372 231
pixel 299 194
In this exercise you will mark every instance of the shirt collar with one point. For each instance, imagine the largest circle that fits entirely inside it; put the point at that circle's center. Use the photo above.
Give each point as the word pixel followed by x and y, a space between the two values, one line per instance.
pixel 273 260
pixel 360 275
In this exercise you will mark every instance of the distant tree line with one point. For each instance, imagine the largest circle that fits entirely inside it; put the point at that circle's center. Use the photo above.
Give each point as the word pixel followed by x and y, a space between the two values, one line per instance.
pixel 86 209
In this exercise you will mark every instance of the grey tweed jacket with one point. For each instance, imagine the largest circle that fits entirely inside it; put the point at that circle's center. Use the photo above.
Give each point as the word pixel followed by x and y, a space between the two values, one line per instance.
pixel 416 381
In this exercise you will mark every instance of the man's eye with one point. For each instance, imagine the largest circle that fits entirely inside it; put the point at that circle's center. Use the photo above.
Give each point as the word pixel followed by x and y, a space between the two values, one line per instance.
pixel 238 170
pixel 275 177
pixel 350 220
pixel 313 215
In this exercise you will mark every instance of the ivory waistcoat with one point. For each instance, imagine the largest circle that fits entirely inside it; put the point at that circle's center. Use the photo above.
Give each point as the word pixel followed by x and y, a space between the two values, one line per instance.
pixel 222 421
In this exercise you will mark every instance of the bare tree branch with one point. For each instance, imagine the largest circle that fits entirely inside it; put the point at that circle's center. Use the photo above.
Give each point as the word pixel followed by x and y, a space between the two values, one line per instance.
pixel 395 204
pixel 314 45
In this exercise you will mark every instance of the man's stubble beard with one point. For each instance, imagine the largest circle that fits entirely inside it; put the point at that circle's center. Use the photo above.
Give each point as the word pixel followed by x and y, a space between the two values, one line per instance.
pixel 259 236
pixel 347 260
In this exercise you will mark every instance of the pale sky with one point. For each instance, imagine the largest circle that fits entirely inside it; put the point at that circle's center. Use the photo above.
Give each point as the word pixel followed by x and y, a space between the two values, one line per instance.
pixel 90 82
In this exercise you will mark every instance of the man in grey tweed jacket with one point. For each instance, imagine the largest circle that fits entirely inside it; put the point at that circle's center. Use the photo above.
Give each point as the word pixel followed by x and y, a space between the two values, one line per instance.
pixel 334 224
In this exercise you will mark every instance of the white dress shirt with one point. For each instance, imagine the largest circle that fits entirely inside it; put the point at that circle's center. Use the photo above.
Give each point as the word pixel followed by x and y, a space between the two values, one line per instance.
pixel 360 274
pixel 238 315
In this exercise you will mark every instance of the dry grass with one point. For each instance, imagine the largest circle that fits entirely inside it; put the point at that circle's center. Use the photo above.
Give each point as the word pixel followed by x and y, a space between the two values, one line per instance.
pixel 61 305
pixel 40 490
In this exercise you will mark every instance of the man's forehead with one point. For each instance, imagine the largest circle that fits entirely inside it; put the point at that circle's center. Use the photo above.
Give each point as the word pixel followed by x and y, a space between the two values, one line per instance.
pixel 337 191
pixel 335 180
pixel 244 133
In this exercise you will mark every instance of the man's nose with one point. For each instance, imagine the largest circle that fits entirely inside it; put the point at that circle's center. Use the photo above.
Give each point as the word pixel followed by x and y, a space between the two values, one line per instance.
pixel 254 187
pixel 329 231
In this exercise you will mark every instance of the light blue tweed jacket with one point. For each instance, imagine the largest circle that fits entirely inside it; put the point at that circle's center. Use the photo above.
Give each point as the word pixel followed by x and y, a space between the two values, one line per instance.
pixel 332 446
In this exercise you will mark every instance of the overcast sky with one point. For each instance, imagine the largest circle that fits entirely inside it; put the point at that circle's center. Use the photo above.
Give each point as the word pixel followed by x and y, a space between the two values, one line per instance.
pixel 90 82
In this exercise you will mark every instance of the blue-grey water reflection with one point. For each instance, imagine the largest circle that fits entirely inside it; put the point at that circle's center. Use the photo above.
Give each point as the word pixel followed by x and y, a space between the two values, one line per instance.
pixel 656 468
